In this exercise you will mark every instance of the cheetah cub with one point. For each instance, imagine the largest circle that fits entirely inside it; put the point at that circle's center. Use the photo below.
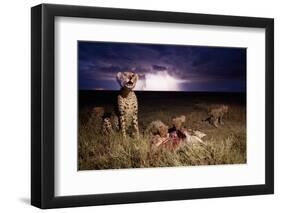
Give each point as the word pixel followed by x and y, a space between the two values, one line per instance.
pixel 216 114
pixel 128 103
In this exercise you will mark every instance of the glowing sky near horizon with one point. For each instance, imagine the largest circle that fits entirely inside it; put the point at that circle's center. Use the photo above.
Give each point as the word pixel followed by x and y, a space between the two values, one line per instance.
pixel 162 67
pixel 160 81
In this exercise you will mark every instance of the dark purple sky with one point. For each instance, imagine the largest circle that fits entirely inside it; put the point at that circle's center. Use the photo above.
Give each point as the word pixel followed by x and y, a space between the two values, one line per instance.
pixel 167 67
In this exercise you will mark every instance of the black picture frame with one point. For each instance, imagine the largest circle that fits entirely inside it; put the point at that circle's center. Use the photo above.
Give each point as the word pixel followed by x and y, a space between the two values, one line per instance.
pixel 43 117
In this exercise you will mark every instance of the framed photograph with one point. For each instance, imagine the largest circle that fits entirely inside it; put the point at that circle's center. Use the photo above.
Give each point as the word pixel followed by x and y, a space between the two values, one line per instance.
pixel 139 106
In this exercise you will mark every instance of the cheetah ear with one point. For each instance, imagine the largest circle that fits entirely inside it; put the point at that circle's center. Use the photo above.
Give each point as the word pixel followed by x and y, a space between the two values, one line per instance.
pixel 119 74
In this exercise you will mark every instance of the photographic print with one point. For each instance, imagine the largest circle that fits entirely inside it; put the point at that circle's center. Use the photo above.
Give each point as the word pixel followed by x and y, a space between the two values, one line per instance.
pixel 169 109
pixel 159 105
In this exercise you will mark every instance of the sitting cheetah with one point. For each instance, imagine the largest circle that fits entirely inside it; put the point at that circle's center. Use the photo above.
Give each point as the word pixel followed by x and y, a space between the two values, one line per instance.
pixel 128 103
pixel 216 114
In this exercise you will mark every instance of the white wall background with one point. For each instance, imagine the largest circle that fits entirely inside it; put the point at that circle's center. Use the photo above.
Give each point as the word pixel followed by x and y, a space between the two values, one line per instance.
pixel 15 105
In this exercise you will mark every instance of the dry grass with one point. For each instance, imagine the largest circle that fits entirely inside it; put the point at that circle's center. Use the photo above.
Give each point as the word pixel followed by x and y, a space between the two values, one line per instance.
pixel 223 145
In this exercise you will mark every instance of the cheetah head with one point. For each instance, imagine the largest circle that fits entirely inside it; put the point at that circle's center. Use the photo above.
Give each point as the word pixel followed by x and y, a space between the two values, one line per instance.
pixel 163 130
pixel 127 79
pixel 178 121
pixel 225 108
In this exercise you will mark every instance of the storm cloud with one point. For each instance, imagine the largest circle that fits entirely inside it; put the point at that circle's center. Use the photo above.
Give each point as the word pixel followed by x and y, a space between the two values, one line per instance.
pixel 194 68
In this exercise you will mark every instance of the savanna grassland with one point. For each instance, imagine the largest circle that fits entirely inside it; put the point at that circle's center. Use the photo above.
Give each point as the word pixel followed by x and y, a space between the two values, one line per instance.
pixel 223 145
